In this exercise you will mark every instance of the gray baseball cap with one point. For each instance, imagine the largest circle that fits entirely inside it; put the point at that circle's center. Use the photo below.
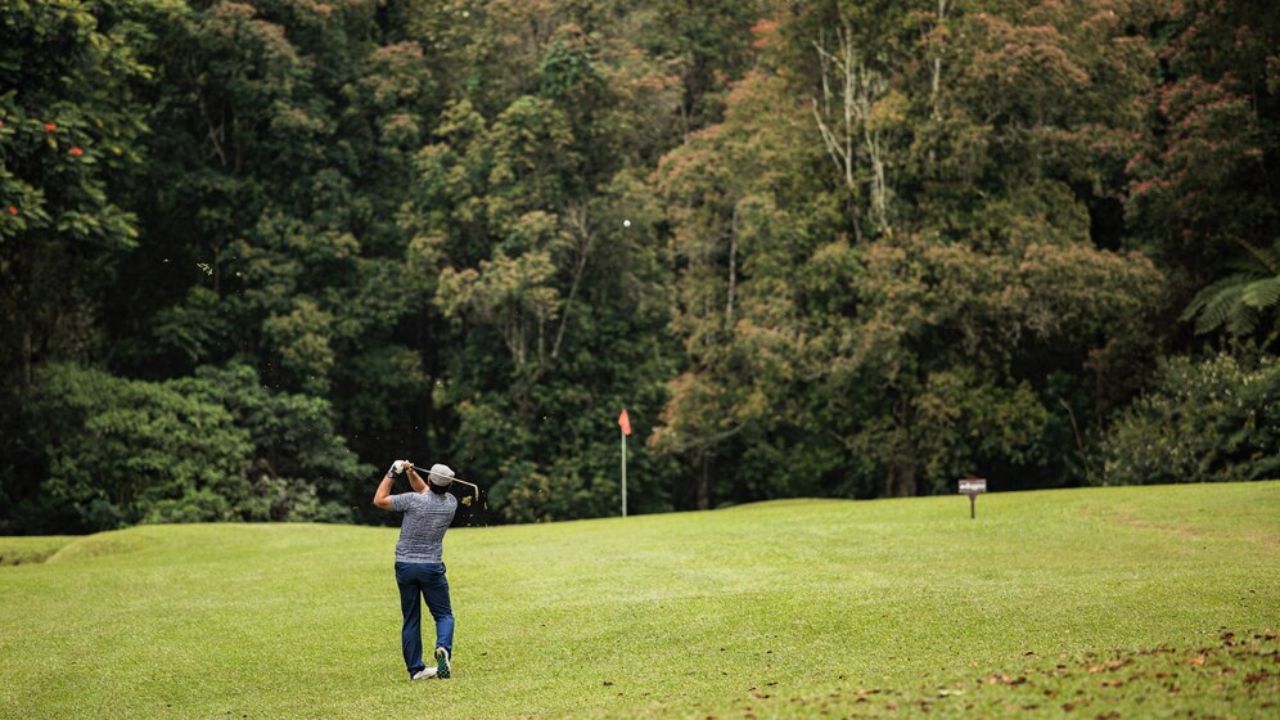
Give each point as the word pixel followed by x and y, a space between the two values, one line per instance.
pixel 440 475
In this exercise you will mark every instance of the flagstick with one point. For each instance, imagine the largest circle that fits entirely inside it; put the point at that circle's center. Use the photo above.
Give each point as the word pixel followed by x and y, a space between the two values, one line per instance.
pixel 624 474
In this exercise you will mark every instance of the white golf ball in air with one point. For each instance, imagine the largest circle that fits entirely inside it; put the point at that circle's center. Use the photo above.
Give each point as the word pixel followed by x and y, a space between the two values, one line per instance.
pixel 626 223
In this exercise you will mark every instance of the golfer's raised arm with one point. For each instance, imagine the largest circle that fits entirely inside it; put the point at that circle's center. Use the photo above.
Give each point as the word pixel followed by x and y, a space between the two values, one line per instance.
pixel 415 481
pixel 382 498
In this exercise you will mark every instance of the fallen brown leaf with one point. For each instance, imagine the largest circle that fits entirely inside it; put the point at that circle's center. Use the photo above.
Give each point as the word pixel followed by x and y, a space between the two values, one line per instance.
pixel 868 691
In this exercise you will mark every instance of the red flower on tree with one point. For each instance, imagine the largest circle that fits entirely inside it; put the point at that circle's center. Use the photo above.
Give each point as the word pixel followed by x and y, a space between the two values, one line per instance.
pixel 50 127
pixel 13 211
pixel 75 151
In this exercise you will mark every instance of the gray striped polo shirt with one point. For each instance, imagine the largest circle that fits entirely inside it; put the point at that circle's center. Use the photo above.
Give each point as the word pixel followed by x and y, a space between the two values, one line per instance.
pixel 426 516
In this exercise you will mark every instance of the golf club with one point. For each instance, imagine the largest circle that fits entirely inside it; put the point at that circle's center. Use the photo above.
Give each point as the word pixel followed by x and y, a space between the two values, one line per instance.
pixel 475 489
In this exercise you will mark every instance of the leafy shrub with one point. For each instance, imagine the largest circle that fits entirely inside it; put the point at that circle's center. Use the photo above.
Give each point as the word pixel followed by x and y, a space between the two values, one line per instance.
pixel 215 446
pixel 117 447
pixel 1203 421
pixel 301 469
pixel 202 505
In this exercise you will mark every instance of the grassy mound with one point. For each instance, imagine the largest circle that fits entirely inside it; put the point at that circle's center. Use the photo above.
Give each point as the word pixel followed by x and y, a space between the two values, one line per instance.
pixel 1112 602
pixel 27 550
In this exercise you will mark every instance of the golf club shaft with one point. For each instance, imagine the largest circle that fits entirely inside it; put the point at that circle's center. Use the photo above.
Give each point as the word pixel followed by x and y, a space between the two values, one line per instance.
pixel 473 486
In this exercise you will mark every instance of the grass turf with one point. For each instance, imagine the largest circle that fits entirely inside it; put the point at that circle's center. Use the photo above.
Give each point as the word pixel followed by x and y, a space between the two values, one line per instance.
pixel 24 550
pixel 1111 602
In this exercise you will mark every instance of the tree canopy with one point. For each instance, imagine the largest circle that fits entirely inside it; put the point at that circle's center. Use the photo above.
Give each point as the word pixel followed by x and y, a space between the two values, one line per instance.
pixel 251 252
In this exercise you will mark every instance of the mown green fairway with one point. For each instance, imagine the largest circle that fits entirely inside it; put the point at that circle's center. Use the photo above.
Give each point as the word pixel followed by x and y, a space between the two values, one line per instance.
pixel 1064 603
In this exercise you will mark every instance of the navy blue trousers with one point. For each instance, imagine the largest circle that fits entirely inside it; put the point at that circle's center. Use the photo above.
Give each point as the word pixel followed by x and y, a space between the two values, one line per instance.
pixel 428 581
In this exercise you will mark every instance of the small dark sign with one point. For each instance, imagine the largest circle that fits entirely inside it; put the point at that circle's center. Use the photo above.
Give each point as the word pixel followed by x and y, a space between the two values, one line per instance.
pixel 972 486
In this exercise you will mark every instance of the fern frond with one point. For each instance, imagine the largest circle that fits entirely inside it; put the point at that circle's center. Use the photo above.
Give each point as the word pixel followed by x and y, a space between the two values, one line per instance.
pixel 1212 290
pixel 1218 307
pixel 1262 294
pixel 1242 321
pixel 1267 258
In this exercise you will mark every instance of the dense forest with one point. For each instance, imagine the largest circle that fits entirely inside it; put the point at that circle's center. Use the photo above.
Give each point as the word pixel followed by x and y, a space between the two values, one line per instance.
pixel 251 252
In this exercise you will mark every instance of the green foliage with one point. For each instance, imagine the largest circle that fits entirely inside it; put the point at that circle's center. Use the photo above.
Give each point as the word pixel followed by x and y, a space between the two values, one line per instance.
pixel 216 446
pixel 72 118
pixel 1202 421
pixel 964 424
pixel 1243 303
pixel 1203 197
pixel 891 326
pixel 878 244
pixel 117 447
pixel 299 467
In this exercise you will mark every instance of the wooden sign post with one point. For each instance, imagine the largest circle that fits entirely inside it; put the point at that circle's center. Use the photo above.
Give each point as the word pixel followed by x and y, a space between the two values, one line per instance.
pixel 971 487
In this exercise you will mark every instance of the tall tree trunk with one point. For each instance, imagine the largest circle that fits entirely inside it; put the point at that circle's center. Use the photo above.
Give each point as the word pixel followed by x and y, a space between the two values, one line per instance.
pixel 943 6
pixel 580 224
pixel 849 92
pixel 902 478
pixel 733 269
pixel 902 460
pixel 704 483
pixel 27 352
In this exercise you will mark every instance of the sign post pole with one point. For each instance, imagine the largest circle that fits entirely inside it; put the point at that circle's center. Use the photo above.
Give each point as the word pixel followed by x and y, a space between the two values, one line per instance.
pixel 972 486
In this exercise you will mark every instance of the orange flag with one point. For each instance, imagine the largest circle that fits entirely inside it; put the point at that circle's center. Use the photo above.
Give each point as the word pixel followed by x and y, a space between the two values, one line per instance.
pixel 624 422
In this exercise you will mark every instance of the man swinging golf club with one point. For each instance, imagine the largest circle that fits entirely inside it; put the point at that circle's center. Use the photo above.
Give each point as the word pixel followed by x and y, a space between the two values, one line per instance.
pixel 428 510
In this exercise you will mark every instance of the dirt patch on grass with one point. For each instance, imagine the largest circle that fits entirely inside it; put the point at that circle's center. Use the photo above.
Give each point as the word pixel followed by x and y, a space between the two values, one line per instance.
pixel 1127 518
pixel 1238 674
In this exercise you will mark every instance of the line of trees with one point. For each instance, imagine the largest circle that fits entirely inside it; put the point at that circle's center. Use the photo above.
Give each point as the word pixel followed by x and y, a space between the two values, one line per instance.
pixel 252 251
